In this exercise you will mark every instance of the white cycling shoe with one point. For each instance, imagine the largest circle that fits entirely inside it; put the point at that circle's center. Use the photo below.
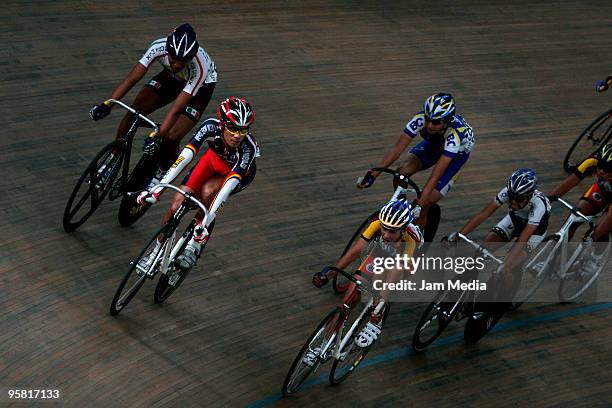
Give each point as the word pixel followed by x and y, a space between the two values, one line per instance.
pixel 591 265
pixel 190 255
pixel 311 356
pixel 368 335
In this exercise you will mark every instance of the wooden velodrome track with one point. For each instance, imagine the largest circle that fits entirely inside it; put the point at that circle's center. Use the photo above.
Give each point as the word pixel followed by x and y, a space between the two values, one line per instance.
pixel 333 83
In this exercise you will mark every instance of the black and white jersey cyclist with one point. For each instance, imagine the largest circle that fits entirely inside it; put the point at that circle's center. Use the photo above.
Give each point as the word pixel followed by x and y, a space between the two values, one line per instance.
pixel 527 218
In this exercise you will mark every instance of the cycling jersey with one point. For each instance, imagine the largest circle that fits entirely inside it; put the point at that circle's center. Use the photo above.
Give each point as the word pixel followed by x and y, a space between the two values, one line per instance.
pixel 589 168
pixel 200 70
pixel 533 213
pixel 458 139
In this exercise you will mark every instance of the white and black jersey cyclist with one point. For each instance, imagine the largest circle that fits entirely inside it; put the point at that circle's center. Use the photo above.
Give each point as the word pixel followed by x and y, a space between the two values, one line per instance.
pixel 188 77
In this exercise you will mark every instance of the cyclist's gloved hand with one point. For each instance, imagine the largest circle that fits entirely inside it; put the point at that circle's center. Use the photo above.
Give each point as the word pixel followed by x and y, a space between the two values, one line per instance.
pixel 320 279
pixel 601 86
pixel 452 237
pixel 201 234
pixel 367 180
pixel 147 197
pixel 416 210
pixel 151 145
pixel 100 111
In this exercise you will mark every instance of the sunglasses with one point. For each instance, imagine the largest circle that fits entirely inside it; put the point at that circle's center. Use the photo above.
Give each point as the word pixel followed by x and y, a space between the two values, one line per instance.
pixel 436 121
pixel 387 229
pixel 236 131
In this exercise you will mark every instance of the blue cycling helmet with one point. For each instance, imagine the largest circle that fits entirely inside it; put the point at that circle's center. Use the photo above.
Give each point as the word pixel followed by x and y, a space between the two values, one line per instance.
pixel 182 43
pixel 396 214
pixel 439 106
pixel 522 183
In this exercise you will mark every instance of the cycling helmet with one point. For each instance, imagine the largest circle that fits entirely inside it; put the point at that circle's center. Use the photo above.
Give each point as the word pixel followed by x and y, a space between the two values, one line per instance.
pixel 522 183
pixel 439 106
pixel 396 214
pixel 236 112
pixel 182 43
pixel 604 158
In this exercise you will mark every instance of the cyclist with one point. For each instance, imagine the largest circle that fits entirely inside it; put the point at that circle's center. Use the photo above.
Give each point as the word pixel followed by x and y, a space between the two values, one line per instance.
pixel 188 78
pixel 447 142
pixel 226 167
pixel 527 221
pixel 394 224
pixel 596 199
pixel 602 86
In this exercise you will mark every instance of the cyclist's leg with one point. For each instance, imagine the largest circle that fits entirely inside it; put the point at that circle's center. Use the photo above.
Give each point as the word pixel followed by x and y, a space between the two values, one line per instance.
pixel 158 92
pixel 177 200
pixel 185 122
pixel 420 157
pixel 603 228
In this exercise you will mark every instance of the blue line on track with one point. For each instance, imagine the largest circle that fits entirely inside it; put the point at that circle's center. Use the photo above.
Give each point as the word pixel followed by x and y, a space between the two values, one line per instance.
pixel 400 353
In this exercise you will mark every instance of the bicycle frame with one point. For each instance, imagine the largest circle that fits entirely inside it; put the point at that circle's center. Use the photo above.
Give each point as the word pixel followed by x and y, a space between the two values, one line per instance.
pixel 562 239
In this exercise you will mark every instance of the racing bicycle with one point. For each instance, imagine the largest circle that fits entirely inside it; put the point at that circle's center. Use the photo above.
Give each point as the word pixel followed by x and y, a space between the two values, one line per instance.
pixel 99 176
pixel 160 254
pixel 334 339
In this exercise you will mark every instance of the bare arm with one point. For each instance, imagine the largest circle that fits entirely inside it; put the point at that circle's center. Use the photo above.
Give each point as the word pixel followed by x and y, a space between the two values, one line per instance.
pixel 135 75
pixel 402 143
pixel 479 218
pixel 566 185
pixel 513 256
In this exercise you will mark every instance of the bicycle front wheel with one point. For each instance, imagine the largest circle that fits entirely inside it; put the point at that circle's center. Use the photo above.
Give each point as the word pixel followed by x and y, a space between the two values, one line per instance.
pixel 311 355
pixel 352 355
pixel 137 274
pixel 577 281
pixel 93 185
pixel 597 134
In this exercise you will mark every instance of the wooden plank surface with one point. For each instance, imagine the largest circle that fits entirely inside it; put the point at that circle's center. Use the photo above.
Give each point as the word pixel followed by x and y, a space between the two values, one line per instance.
pixel 333 83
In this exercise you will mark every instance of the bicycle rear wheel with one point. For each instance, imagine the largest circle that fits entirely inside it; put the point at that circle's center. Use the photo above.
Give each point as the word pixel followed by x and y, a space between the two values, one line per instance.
pixel 482 321
pixel 339 283
pixel 352 355
pixel 309 358
pixel 93 185
pixel 140 177
pixel 576 282
pixel 597 134
pixel 134 278
pixel 435 319
pixel 535 271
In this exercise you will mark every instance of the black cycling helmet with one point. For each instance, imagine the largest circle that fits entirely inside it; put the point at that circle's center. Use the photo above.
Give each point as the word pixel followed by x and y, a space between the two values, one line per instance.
pixel 182 43
pixel 522 183
pixel 604 158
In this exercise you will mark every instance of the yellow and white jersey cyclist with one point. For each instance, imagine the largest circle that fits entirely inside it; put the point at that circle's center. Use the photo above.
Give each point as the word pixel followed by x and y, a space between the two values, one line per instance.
pixel 448 140
pixel 394 225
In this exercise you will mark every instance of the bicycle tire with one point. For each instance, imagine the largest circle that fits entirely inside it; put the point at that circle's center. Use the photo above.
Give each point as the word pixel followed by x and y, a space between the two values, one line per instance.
pixel 119 302
pixel 327 327
pixel 433 221
pixel 129 210
pixel 584 282
pixel 431 313
pixel 532 276
pixel 339 283
pixel 336 376
pixel 592 143
pixel 89 177
pixel 476 329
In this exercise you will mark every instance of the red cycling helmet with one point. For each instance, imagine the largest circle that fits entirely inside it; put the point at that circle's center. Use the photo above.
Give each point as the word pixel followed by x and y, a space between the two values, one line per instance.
pixel 236 112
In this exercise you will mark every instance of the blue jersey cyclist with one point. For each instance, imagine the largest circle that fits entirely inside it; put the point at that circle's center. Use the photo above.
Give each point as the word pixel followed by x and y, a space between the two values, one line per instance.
pixel 447 142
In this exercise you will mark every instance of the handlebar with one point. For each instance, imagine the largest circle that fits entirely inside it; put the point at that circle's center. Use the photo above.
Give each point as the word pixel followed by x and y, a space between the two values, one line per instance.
pixel 187 196
pixel 480 248
pixel 574 210
pixel 402 179
pixel 359 283
pixel 152 124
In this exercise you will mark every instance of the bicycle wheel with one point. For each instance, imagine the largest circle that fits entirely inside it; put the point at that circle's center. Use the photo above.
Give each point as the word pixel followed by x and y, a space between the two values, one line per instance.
pixel 140 177
pixel 588 142
pixel 482 321
pixel 134 279
pixel 352 355
pixel 436 317
pixel 339 283
pixel 577 281
pixel 535 271
pixel 433 221
pixel 323 337
pixel 92 186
